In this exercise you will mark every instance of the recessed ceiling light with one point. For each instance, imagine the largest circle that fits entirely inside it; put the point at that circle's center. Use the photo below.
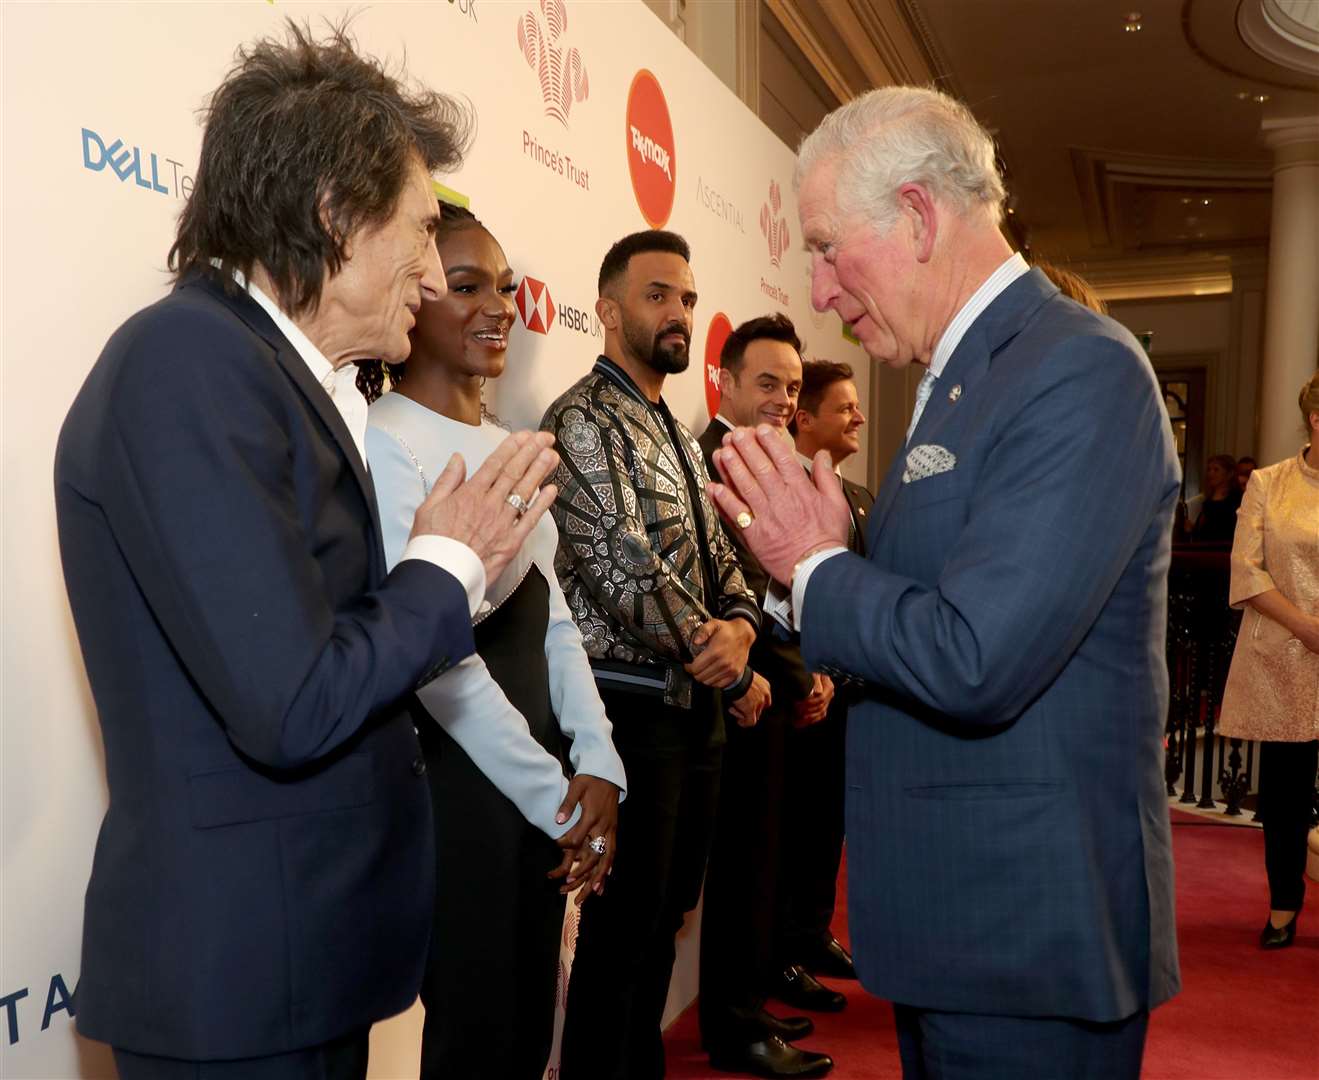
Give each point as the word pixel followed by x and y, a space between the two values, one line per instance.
pixel 1132 23
pixel 1205 202
pixel 1259 99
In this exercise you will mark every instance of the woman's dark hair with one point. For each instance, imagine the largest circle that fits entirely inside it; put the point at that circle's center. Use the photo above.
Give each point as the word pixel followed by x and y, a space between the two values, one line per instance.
pixel 776 327
pixel 371 373
pixel 306 142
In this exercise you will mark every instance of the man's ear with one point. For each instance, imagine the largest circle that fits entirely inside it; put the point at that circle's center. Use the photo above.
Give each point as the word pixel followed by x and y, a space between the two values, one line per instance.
pixel 917 207
pixel 804 420
pixel 727 380
pixel 608 312
pixel 331 230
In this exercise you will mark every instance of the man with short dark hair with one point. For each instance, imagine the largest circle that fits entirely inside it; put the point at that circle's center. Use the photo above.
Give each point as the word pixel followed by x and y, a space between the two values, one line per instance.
pixel 759 377
pixel 828 417
pixel 262 886
pixel 668 622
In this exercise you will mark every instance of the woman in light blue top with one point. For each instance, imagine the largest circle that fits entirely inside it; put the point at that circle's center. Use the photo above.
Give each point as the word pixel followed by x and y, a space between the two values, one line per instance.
pixel 509 725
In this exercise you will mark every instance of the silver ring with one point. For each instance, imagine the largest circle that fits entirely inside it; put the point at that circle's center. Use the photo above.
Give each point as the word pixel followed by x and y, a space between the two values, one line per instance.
pixel 518 503
pixel 597 844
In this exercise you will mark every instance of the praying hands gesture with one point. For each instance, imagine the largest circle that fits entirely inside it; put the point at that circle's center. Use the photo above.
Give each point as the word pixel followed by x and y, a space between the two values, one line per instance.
pixel 782 514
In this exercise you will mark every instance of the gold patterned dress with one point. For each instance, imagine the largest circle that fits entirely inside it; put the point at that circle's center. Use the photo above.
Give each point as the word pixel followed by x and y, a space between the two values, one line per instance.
pixel 1273 686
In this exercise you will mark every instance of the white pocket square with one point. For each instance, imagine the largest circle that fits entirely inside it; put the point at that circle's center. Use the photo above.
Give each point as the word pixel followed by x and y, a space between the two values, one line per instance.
pixel 927 460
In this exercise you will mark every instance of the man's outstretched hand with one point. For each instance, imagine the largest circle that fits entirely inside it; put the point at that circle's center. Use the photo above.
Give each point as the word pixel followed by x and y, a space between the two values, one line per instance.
pixel 792 515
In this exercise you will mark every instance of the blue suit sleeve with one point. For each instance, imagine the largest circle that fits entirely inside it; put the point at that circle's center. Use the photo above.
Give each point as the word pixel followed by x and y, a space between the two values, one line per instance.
pixel 207 496
pixel 1070 484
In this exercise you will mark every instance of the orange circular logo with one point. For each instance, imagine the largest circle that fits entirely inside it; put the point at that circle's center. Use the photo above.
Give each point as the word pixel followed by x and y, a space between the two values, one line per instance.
pixel 650 149
pixel 715 337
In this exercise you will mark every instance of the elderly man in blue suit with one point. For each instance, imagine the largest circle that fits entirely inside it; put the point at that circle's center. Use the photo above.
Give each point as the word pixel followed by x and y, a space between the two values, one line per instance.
pixel 1009 861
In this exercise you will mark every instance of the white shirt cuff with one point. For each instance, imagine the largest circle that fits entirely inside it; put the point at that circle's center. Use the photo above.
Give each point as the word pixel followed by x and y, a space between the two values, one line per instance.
pixel 802 578
pixel 455 557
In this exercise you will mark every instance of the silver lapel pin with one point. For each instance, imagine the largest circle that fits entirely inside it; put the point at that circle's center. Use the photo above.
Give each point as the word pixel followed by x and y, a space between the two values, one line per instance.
pixel 955 392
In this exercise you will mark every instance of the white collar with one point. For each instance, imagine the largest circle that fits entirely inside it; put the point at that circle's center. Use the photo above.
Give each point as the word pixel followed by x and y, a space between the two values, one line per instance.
pixel 808 464
pixel 725 421
pixel 339 383
pixel 1007 272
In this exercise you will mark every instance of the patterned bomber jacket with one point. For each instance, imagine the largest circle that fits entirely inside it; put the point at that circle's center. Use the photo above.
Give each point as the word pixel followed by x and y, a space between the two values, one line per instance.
pixel 630 556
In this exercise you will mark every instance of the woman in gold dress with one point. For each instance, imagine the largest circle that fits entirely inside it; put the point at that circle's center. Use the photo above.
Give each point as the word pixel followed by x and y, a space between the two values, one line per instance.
pixel 1273 687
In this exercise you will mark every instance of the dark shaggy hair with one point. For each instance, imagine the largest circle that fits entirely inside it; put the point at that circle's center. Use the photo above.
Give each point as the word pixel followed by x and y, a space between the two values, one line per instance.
pixel 776 327
pixel 371 373
pixel 306 142
pixel 616 259
pixel 816 377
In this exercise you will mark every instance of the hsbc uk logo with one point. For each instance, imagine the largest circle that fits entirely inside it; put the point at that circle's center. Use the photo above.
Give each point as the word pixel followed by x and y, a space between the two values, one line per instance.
pixel 561 71
pixel 535 305
pixel 773 225
pixel 538 311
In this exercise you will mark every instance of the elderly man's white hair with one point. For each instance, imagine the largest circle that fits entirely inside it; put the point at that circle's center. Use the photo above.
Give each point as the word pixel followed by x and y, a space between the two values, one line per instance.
pixel 905 134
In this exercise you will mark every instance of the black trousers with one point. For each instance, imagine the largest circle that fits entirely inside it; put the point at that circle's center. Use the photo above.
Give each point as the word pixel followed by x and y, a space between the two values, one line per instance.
pixel 625 944
pixel 341 1059
pixel 1286 795
pixel 742 882
pixel 965 1046
pixel 492 969
pixel 812 832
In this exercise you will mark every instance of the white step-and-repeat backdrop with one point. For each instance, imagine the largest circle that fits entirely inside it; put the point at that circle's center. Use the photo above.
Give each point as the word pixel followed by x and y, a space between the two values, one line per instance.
pixel 594 121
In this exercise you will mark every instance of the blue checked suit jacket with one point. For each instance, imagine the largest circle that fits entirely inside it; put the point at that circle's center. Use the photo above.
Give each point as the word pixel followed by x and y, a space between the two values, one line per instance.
pixel 1008 838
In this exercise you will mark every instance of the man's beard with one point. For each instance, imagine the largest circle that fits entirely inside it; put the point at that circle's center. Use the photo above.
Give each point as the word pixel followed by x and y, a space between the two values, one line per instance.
pixel 666 359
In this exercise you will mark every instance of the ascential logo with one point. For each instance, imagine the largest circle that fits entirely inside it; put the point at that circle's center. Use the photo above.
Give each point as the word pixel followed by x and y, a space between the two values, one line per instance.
pixel 535 305
pixel 561 71
pixel 774 225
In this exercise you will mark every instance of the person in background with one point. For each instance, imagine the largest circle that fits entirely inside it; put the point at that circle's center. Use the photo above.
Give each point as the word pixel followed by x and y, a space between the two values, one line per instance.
pixel 1213 514
pixel 1273 685
pixel 668 622
pixel 1245 466
pixel 262 886
pixel 828 418
pixel 1072 285
pixel 503 723
pixel 759 379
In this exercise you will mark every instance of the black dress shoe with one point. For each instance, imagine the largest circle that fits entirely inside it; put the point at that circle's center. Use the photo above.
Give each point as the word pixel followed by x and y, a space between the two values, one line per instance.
pixel 770 1057
pixel 787 1028
pixel 829 958
pixel 1278 937
pixel 799 987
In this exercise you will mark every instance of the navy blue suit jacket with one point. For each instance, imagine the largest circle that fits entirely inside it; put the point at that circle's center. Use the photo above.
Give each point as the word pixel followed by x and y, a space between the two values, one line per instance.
pixel 263 878
pixel 1008 838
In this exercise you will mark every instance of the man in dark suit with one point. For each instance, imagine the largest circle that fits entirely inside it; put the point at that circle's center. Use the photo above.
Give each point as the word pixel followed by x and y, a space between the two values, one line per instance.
pixel 1009 858
pixel 760 376
pixel 262 885
pixel 828 418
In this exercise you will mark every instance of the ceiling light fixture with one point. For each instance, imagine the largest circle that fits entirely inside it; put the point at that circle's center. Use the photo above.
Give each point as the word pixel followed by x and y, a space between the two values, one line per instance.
pixel 1132 23
pixel 1259 99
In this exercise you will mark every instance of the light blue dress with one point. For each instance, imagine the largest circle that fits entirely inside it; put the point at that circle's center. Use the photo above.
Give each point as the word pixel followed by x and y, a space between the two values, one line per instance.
pixel 408 446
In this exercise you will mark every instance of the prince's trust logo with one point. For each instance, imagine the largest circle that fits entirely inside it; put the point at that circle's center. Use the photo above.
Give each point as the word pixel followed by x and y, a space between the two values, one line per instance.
pixel 561 72
pixel 773 225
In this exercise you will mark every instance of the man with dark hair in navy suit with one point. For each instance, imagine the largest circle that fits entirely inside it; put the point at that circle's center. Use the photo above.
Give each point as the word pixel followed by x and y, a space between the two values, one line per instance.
pixel 263 881
pixel 1009 853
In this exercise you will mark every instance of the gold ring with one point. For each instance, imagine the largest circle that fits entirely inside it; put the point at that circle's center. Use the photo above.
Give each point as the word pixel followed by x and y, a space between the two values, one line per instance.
pixel 744 519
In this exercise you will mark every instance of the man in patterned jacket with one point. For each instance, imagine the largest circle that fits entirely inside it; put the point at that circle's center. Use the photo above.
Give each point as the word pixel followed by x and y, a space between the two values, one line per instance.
pixel 668 621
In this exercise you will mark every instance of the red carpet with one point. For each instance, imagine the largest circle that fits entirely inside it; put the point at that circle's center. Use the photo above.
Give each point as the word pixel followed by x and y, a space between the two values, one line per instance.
pixel 1243 1014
